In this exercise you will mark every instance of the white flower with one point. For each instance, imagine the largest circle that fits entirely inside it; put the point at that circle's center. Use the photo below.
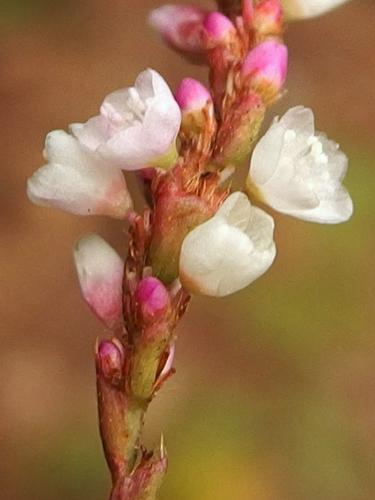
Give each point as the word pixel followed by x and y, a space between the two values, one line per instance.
pixel 229 251
pixel 77 180
pixel 100 271
pixel 301 9
pixel 298 171
pixel 137 126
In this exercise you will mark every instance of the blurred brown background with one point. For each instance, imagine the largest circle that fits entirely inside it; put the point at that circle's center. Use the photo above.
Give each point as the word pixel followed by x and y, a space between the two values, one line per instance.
pixel 274 396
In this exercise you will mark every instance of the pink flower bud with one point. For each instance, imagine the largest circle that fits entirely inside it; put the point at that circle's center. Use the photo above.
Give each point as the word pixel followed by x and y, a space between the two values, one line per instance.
pixel 153 298
pixel 110 355
pixel 267 64
pixel 268 16
pixel 100 272
pixel 218 27
pixel 191 95
pixel 180 26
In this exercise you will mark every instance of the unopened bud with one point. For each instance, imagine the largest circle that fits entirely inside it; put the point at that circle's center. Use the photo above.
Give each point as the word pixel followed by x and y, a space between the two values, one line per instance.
pixel 191 95
pixel 111 359
pixel 180 26
pixel 100 273
pixel 266 67
pixel 218 28
pixel 154 315
pixel 268 17
pixel 196 105
pixel 152 299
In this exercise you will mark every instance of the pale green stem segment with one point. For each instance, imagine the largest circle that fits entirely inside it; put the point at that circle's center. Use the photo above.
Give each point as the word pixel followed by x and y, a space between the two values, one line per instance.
pixel 168 159
pixel 121 414
pixel 145 362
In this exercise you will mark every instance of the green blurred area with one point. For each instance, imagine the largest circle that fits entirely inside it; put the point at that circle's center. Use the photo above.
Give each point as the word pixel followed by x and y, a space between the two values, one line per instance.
pixel 274 395
pixel 16 10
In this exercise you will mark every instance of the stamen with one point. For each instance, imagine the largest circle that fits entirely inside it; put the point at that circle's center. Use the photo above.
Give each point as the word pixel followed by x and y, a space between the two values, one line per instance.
pixel 316 149
pixel 289 135
pixel 312 140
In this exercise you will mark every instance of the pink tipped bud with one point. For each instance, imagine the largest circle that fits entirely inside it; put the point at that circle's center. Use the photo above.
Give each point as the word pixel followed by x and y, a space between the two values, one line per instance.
pixel 191 95
pixel 268 17
pixel 217 27
pixel 266 65
pixel 110 355
pixel 100 272
pixel 153 299
pixel 180 26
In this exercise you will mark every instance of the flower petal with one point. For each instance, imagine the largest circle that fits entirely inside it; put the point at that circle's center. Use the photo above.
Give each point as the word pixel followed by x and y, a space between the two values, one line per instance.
pixel 150 83
pixel 331 211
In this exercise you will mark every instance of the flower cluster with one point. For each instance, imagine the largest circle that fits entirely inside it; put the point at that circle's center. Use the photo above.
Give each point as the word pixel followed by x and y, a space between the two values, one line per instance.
pixel 293 168
pixel 195 236
pixel 136 128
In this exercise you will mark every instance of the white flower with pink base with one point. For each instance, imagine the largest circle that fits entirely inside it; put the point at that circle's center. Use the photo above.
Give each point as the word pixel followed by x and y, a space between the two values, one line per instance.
pixel 100 272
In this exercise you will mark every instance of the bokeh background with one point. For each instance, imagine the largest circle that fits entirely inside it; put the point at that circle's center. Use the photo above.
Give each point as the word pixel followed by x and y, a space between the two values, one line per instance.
pixel 274 395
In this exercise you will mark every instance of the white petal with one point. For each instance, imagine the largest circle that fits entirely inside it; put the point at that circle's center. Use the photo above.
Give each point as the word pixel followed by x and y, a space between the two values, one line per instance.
pixel 266 154
pixel 236 210
pixel 127 148
pixel 77 181
pixel 92 133
pixel 331 211
pixel 139 145
pixel 301 9
pixel 229 251
pixel 299 172
pixel 299 119
pixel 100 272
pixel 150 83
pixel 164 116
